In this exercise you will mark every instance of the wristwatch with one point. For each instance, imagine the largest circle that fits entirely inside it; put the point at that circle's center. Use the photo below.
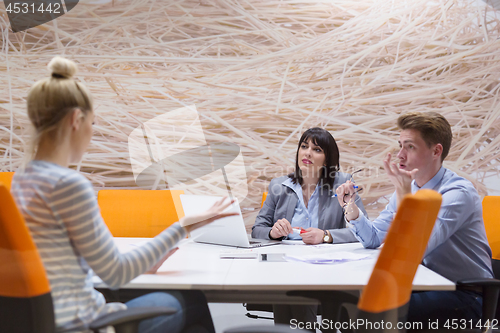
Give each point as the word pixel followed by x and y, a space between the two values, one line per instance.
pixel 326 237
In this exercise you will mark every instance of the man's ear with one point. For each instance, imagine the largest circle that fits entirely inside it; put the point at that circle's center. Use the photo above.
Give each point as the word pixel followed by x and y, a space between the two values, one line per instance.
pixel 438 150
pixel 75 118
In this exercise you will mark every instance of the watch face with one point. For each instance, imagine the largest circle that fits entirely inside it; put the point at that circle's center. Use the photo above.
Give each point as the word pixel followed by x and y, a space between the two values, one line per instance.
pixel 326 238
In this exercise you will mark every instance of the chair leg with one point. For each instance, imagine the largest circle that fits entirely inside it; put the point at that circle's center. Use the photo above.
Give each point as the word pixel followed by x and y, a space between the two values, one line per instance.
pixel 131 327
pixel 490 302
pixel 331 304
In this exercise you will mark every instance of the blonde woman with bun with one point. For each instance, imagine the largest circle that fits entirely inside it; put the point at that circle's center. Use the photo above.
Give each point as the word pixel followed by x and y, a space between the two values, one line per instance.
pixel 61 211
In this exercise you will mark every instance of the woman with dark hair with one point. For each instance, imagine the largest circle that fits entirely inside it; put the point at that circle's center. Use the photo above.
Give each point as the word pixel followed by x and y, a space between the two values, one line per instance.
pixel 305 200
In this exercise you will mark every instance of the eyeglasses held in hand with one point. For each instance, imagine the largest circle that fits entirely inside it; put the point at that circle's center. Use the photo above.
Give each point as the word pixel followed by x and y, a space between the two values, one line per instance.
pixel 357 188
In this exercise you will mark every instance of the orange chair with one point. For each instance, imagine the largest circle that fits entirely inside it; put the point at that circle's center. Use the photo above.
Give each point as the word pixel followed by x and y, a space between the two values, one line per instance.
pixel 139 213
pixel 25 299
pixel 6 179
pixel 491 218
pixel 264 196
pixel 387 294
pixel 390 284
pixel 490 287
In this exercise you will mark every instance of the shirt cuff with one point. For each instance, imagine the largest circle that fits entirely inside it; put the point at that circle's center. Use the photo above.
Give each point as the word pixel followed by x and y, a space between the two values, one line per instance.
pixel 356 219
pixel 349 224
pixel 278 239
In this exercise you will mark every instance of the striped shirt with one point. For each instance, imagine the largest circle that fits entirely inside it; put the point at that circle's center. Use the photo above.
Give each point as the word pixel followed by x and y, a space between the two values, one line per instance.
pixel 61 211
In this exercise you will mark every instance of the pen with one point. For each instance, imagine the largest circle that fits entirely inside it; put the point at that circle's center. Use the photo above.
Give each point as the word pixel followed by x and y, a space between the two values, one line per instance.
pixel 354 187
pixel 299 230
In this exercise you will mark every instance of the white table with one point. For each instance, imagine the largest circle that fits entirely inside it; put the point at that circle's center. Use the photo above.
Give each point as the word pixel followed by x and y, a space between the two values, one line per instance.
pixel 198 266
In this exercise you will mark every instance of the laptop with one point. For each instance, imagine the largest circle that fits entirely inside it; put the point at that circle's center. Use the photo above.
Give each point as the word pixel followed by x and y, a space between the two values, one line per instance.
pixel 228 231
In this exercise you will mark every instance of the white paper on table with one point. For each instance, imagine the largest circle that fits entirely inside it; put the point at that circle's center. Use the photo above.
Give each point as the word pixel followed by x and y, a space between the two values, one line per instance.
pixel 292 242
pixel 328 258
pixel 301 242
pixel 239 254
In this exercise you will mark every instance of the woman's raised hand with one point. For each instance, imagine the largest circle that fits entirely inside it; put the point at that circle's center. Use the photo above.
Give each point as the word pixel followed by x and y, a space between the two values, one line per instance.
pixel 193 222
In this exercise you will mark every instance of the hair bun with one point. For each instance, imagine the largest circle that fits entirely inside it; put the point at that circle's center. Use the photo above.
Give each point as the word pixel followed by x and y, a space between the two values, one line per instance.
pixel 62 68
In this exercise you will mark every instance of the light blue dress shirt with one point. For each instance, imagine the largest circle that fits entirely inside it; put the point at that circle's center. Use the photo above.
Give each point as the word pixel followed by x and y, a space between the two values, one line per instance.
pixel 458 248
pixel 305 217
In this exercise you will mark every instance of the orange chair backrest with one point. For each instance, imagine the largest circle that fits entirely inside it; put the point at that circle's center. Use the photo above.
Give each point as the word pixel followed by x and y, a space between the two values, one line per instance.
pixel 6 179
pixel 264 196
pixel 491 217
pixel 139 213
pixel 390 283
pixel 22 274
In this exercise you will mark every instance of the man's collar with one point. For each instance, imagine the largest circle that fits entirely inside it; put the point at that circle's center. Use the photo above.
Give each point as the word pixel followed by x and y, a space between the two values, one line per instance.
pixel 431 183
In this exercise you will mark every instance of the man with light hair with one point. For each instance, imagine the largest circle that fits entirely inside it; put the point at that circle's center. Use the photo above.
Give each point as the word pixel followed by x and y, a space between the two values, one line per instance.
pixel 458 248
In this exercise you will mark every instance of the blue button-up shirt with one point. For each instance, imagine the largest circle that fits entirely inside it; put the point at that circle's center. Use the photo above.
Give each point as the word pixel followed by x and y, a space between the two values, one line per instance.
pixel 303 216
pixel 458 248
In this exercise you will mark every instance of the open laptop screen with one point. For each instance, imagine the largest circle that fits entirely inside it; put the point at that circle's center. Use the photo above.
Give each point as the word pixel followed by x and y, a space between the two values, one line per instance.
pixel 226 231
